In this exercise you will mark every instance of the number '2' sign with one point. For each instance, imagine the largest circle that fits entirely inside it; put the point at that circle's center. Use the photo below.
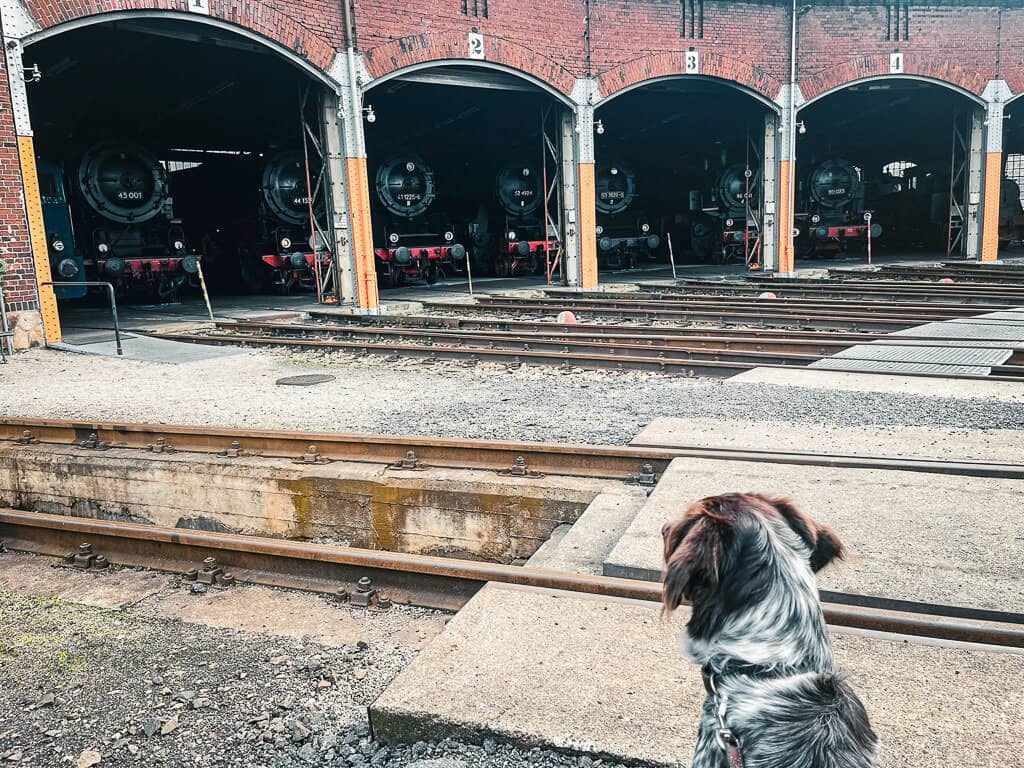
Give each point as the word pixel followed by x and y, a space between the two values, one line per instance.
pixel 692 62
pixel 476 45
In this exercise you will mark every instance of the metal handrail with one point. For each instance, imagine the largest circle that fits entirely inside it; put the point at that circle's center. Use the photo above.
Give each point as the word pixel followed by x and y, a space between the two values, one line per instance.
pixel 113 304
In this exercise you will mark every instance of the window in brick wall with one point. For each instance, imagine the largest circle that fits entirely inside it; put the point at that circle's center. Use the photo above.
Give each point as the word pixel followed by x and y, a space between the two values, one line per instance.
pixel 691 18
pixel 897 20
pixel 476 8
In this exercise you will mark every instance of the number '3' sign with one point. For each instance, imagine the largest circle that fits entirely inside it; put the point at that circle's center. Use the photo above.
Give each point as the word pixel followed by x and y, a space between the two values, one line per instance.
pixel 692 62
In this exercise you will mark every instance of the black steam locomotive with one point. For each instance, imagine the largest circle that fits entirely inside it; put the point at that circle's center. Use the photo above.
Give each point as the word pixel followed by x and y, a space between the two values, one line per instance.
pixel 526 246
pixel 834 216
pixel 122 206
pixel 737 201
pixel 286 242
pixel 417 243
pixel 624 235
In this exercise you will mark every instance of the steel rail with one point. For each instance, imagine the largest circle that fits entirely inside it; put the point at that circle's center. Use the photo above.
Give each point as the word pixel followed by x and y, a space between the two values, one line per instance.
pixel 695 363
pixel 775 306
pixel 840 289
pixel 416 579
pixel 695 347
pixel 696 298
pixel 605 461
pixel 866 322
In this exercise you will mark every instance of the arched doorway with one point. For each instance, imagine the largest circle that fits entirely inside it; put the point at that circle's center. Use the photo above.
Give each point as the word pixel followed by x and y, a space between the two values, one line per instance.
pixel 890 164
pixel 467 173
pixel 685 164
pixel 164 136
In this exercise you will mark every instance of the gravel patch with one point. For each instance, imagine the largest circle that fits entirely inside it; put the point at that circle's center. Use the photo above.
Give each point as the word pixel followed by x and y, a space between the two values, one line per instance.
pixel 88 686
pixel 375 394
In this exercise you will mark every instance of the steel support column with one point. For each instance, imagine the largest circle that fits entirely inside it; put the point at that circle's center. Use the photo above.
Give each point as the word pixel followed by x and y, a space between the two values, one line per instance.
pixel 29 178
pixel 975 150
pixel 362 270
pixel 996 93
pixel 769 188
pixel 584 178
pixel 337 200
pixel 788 100
pixel 570 200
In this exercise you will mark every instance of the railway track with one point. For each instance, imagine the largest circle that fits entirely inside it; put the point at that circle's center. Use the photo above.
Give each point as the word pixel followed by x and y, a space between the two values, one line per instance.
pixel 434 581
pixel 996 274
pixel 761 315
pixel 834 289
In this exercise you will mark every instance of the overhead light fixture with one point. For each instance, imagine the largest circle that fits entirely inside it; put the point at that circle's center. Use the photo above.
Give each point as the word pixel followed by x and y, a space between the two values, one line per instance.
pixel 599 128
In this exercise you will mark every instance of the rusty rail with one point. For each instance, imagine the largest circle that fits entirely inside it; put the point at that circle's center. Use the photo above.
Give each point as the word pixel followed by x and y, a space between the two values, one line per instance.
pixel 415 579
pixel 582 460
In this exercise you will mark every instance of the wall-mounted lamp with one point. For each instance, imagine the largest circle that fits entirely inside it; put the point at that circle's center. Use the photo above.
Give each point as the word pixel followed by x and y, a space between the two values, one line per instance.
pixel 32 74
pixel 801 128
pixel 599 128
pixel 371 116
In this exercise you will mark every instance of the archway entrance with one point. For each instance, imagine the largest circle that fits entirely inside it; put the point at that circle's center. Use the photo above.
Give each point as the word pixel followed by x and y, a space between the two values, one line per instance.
pixel 465 165
pixel 685 163
pixel 166 146
pixel 893 164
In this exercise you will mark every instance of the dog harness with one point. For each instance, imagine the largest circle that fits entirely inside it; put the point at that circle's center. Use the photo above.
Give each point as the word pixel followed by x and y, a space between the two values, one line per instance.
pixel 724 736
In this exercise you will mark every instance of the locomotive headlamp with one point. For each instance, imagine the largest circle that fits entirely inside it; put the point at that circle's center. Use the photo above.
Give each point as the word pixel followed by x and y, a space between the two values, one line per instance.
pixel 645 228
pixel 393 238
pixel 614 171
pixel 729 222
pixel 58 244
pixel 511 234
pixel 526 171
pixel 410 167
pixel 103 248
pixel 815 218
pixel 178 245
pixel 449 236
pixel 286 243
pixel 600 230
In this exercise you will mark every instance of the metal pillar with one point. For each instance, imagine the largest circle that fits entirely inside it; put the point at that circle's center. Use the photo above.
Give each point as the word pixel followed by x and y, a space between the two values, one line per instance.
pixel 585 93
pixel 335 196
pixel 570 200
pixel 996 93
pixel 958 161
pixel 975 150
pixel 361 273
pixel 769 189
pixel 789 99
pixel 12 21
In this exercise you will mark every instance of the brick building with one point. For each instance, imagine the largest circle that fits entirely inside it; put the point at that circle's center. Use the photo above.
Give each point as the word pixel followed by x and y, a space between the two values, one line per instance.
pixel 962 60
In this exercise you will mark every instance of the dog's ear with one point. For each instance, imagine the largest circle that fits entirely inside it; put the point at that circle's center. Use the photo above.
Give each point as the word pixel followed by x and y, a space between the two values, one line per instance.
pixel 823 542
pixel 693 552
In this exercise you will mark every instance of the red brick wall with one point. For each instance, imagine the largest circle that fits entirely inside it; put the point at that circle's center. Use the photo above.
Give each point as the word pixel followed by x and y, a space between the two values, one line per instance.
pixel 1012 49
pixel 544 39
pixel 842 43
pixel 19 283
pixel 634 41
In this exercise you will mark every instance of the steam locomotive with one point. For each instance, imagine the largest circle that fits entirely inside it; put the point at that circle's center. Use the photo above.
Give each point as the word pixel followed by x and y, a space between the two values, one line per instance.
pixel 286 242
pixel 834 214
pixel 737 198
pixel 418 243
pixel 121 208
pixel 526 246
pixel 624 236
pixel 66 264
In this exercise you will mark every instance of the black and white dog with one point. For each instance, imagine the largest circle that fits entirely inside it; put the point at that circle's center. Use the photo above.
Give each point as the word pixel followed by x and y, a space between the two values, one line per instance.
pixel 746 562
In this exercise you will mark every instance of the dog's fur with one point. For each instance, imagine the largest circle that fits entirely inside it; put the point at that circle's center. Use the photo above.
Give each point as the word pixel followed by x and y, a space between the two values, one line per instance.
pixel 746 562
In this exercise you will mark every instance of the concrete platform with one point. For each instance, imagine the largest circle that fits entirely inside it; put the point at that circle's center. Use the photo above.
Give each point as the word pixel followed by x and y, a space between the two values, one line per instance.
pixel 147 349
pixel 995 445
pixel 812 378
pixel 911 535
pixel 582 673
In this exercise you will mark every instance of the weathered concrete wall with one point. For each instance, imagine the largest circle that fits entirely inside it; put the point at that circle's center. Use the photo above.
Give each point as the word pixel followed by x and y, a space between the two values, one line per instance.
pixel 449 512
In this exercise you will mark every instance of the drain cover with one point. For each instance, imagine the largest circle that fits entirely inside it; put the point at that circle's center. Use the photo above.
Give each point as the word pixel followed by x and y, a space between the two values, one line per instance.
pixel 305 381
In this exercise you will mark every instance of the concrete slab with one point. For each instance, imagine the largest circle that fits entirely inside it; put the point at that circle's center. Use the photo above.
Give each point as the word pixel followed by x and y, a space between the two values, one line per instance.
pixel 997 445
pixel 583 547
pixel 580 673
pixel 911 535
pixel 812 378
pixel 150 350
pixel 113 588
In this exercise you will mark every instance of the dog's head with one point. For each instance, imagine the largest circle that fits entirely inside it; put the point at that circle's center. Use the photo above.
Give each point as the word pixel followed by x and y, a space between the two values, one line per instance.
pixel 729 551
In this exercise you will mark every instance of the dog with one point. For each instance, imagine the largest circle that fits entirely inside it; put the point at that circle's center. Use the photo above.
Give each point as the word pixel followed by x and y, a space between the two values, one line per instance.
pixel 746 563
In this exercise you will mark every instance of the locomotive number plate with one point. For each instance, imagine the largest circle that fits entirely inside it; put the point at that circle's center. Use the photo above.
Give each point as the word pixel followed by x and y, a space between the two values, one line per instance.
pixel 129 195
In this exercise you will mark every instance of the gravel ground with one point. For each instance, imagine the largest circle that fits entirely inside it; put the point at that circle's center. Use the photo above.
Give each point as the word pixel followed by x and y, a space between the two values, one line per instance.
pixel 88 686
pixel 373 394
